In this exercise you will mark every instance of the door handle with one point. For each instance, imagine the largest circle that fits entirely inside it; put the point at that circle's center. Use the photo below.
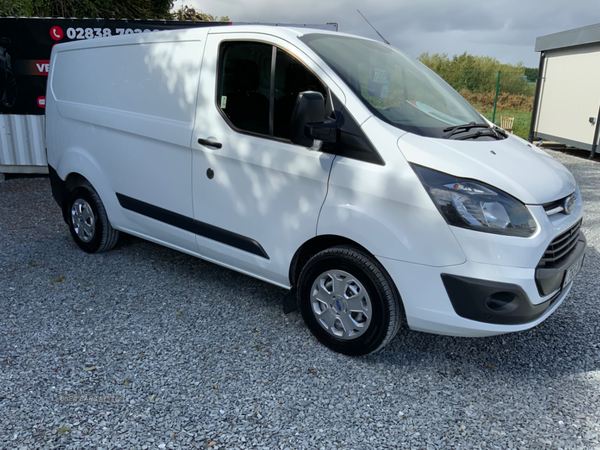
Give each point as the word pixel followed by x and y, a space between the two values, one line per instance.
pixel 208 143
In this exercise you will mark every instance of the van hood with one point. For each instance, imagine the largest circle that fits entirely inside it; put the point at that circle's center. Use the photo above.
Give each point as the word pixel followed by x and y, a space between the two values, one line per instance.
pixel 512 165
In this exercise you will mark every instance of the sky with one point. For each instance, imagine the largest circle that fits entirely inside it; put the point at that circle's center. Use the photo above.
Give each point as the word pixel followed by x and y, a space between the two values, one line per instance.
pixel 504 29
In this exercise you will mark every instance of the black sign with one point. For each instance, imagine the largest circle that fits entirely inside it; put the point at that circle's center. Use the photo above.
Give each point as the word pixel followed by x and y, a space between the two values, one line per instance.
pixel 25 46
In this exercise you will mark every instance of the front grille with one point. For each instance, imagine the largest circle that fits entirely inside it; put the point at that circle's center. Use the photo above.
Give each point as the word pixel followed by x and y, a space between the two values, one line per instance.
pixel 554 207
pixel 560 247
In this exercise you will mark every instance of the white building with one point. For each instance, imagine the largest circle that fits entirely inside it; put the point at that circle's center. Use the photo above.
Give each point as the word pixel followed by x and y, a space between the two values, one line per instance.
pixel 567 99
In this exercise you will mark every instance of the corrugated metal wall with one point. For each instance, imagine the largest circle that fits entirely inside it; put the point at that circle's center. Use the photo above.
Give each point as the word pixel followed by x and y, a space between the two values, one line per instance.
pixel 22 144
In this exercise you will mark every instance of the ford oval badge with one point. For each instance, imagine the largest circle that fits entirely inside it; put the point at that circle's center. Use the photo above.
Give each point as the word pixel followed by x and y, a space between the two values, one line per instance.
pixel 569 205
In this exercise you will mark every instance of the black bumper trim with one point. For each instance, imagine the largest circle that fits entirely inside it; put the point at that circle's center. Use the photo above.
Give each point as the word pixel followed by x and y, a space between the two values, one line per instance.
pixel 474 299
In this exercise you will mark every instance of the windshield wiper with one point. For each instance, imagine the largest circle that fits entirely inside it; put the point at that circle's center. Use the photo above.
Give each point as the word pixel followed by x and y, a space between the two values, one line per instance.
pixel 502 132
pixel 478 133
pixel 451 131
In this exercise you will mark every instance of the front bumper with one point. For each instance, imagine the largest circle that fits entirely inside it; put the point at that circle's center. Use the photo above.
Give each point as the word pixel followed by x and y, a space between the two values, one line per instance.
pixel 428 306
pixel 549 279
pixel 492 302
pixel 508 304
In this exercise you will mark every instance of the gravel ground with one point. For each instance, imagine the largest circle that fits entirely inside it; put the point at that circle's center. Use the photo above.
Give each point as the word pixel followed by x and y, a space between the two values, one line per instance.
pixel 146 348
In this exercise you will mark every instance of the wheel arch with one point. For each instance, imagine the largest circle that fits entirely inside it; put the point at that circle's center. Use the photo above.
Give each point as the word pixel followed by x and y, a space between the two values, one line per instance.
pixel 76 164
pixel 62 189
pixel 314 246
pixel 74 180
pixel 78 167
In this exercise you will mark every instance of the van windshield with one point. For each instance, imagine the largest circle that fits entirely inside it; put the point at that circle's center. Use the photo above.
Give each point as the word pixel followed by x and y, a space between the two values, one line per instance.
pixel 397 88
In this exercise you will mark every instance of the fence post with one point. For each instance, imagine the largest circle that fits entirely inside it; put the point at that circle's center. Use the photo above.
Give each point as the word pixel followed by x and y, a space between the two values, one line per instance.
pixel 496 99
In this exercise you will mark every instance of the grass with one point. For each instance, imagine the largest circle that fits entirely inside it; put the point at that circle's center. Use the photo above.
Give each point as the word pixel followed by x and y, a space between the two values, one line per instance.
pixel 522 120
pixel 63 430
pixel 59 279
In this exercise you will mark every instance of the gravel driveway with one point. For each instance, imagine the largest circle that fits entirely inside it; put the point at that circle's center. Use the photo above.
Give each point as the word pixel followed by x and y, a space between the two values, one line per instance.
pixel 147 348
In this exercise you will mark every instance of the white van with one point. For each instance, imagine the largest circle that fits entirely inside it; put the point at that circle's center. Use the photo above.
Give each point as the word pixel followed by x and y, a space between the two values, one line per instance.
pixel 328 164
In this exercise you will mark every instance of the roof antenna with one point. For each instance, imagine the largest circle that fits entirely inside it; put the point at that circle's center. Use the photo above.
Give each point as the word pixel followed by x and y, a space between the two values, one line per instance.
pixel 382 38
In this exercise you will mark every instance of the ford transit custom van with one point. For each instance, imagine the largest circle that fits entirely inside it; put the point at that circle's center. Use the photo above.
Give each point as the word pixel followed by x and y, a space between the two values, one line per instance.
pixel 331 165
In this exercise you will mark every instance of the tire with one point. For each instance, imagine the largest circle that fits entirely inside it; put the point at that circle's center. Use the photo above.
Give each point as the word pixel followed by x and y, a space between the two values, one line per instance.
pixel 348 301
pixel 88 221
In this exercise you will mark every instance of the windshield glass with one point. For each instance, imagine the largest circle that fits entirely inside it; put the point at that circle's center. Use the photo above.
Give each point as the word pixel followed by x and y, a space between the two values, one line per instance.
pixel 395 87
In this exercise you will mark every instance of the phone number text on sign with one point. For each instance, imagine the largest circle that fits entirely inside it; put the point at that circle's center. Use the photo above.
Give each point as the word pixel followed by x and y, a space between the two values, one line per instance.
pixel 91 33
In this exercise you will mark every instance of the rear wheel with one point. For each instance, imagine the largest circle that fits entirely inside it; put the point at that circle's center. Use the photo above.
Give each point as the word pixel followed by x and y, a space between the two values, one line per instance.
pixel 88 221
pixel 348 301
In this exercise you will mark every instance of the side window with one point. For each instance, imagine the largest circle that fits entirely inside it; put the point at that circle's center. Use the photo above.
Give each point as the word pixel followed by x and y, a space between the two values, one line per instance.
pixel 291 78
pixel 244 84
pixel 244 91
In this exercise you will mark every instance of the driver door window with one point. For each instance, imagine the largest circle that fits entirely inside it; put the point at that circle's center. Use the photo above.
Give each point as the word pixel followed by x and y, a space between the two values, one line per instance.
pixel 257 96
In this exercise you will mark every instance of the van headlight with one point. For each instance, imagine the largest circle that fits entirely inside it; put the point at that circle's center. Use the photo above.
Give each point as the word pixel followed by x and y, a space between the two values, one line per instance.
pixel 477 206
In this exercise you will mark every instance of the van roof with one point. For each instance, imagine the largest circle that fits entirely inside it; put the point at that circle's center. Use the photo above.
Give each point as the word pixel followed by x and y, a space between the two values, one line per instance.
pixel 191 34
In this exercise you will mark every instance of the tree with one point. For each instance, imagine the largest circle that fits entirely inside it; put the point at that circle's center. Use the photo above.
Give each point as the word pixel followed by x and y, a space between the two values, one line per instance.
pixel 11 8
pixel 478 74
pixel 118 9
pixel 189 13
pixel 531 74
pixel 105 9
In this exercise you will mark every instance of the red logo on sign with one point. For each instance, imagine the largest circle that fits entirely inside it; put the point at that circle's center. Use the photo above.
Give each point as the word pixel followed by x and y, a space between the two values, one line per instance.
pixel 56 33
pixel 41 101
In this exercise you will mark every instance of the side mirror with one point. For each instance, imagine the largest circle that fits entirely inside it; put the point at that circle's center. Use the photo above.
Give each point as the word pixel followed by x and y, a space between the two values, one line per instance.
pixel 308 110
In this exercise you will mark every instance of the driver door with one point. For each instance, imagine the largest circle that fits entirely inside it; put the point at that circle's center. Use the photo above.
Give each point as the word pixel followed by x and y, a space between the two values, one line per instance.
pixel 256 196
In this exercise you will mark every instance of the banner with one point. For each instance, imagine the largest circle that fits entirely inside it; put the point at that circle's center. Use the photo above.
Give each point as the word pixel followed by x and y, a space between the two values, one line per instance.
pixel 25 46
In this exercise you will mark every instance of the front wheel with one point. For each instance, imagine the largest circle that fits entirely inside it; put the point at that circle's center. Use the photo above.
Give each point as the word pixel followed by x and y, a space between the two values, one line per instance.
pixel 88 221
pixel 348 301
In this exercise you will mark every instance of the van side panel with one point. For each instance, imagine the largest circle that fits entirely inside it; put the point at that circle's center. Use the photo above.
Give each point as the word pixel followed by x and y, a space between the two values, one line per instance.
pixel 154 79
pixel 122 116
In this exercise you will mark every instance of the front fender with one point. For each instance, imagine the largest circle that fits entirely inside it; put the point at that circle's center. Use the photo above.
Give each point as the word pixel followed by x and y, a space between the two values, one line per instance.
pixel 387 211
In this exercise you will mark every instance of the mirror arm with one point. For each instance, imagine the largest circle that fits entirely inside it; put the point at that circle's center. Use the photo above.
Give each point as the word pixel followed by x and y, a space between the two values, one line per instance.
pixel 330 123
pixel 322 130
